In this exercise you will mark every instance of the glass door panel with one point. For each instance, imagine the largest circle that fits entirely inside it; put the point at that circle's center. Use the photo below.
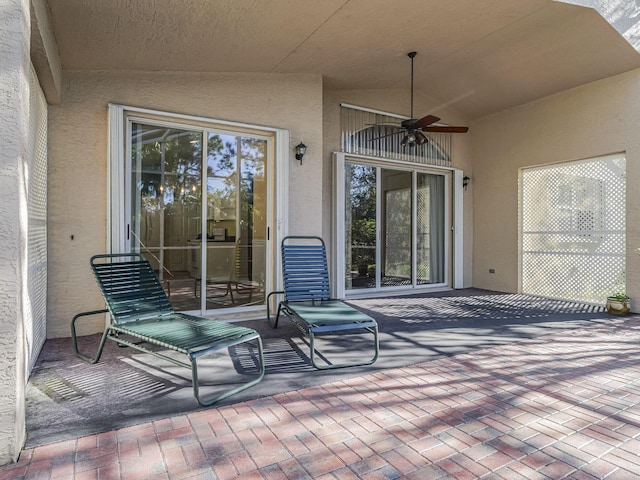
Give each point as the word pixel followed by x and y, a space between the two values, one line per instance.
pixel 251 260
pixel 396 228
pixel 360 226
pixel 430 223
pixel 166 197
pixel 236 220
pixel 226 248
pixel 222 193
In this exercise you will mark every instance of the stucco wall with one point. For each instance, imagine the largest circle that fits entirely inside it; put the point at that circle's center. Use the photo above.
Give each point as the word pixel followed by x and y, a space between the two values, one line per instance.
pixel 14 116
pixel 78 159
pixel 588 121
pixel 397 101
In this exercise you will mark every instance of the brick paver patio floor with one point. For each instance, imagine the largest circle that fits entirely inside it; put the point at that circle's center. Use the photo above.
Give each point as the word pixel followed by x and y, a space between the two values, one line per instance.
pixel 564 405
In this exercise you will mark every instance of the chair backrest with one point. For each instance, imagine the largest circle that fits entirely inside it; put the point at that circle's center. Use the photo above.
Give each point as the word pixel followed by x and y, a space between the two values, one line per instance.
pixel 241 269
pixel 130 287
pixel 304 269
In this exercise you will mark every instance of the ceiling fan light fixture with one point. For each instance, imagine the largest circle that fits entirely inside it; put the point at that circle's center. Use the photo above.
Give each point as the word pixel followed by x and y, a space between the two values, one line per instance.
pixel 421 139
pixel 409 139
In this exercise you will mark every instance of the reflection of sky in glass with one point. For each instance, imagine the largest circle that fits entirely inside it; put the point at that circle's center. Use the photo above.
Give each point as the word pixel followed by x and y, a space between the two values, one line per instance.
pixel 221 155
pixel 178 152
pixel 221 171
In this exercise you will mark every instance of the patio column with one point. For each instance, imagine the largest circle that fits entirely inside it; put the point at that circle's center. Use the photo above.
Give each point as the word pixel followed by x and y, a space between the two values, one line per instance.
pixel 14 116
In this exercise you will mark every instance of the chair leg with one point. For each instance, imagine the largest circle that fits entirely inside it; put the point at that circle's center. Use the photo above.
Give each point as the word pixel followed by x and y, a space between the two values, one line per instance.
pixel 275 322
pixel 221 396
pixel 74 337
pixel 230 292
pixel 312 353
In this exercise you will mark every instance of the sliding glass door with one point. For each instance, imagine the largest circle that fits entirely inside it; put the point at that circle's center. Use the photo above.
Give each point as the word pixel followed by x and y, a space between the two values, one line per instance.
pixel 197 199
pixel 395 227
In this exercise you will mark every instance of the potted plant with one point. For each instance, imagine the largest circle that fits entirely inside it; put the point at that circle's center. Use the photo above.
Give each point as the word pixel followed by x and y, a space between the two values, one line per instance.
pixel 618 304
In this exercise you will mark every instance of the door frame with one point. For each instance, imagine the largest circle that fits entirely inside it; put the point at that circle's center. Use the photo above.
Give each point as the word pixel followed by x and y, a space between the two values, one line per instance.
pixel 277 173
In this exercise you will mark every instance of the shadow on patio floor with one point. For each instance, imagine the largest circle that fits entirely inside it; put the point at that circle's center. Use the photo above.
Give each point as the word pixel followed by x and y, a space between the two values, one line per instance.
pixel 68 398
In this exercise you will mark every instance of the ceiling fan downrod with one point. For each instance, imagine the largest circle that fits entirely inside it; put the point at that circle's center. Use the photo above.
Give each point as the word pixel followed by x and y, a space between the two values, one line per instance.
pixel 412 55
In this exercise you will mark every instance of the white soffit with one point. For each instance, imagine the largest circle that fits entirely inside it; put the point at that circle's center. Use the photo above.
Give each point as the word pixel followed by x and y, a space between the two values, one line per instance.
pixel 479 57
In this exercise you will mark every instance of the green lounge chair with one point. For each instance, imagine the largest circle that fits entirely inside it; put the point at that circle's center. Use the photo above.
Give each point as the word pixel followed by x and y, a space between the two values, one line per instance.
pixel 307 298
pixel 139 308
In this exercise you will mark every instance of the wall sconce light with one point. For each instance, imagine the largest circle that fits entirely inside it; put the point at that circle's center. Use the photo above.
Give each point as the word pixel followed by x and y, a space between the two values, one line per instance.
pixel 301 149
pixel 465 182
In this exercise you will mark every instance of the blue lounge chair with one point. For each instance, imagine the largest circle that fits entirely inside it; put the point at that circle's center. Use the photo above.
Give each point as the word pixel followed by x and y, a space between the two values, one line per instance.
pixel 140 310
pixel 307 298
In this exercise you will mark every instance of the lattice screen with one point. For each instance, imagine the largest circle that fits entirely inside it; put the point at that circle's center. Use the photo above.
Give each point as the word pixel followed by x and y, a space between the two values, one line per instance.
pixel 368 133
pixel 423 227
pixel 573 229
pixel 35 285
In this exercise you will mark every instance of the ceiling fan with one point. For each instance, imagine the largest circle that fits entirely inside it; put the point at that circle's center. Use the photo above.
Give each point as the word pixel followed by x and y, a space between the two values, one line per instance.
pixel 413 128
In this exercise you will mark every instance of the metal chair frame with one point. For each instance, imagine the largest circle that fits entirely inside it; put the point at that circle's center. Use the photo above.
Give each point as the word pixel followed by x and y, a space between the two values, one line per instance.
pixel 139 308
pixel 307 298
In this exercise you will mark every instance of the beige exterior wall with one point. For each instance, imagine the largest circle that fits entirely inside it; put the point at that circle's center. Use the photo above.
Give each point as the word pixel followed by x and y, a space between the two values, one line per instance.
pixel 14 125
pixel 78 159
pixel 592 120
pixel 397 101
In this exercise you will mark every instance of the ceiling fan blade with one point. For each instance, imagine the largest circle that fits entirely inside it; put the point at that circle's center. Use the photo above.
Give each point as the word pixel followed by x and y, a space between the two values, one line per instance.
pixel 445 129
pixel 385 125
pixel 385 136
pixel 425 121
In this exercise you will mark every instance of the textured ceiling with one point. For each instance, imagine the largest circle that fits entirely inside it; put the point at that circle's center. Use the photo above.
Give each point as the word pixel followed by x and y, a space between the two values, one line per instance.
pixel 478 56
